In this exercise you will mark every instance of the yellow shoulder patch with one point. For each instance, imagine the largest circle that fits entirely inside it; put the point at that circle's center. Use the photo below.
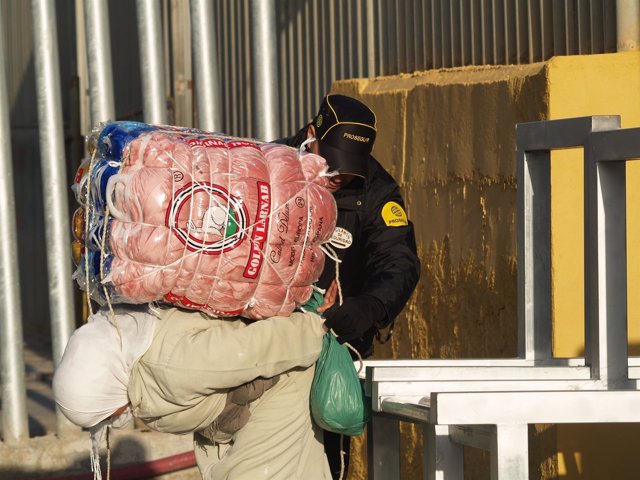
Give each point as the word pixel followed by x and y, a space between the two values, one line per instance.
pixel 393 215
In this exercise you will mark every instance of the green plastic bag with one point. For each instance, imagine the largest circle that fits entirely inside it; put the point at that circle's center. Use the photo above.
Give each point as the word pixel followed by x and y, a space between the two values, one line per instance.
pixel 337 399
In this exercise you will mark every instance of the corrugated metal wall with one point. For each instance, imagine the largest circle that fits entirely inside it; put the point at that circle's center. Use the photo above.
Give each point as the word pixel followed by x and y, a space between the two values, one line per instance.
pixel 320 41
pixel 451 33
pixel 125 60
pixel 233 41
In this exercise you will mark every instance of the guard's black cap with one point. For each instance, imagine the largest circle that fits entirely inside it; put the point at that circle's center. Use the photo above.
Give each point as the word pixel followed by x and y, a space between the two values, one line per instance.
pixel 345 130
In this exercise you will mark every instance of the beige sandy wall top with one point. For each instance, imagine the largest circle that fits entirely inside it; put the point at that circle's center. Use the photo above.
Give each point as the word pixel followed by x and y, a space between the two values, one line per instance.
pixel 448 137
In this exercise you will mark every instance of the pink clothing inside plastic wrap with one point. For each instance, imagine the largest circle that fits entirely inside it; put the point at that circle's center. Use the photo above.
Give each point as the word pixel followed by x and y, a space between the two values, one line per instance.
pixel 225 226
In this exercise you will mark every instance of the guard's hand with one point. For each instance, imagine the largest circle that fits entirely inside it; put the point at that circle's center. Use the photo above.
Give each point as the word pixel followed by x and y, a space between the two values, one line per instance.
pixel 329 297
pixel 354 317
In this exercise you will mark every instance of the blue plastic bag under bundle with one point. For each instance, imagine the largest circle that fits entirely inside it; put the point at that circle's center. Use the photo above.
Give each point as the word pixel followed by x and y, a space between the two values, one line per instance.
pixel 337 399
pixel 115 136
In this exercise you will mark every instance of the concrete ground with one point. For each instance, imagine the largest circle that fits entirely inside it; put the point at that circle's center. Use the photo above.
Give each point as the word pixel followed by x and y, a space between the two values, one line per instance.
pixel 52 456
pixel 47 454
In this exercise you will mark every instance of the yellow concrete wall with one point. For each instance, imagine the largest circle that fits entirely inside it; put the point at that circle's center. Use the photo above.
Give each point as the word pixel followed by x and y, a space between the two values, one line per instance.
pixel 448 138
pixel 591 85
pixel 588 85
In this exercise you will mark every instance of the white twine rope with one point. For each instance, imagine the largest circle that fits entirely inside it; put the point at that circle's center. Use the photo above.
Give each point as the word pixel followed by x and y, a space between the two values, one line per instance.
pixel 103 242
pixel 186 254
pixel 95 465
pixel 87 205
pixel 95 456
pixel 303 146
pixel 331 253
pixel 108 455
pixel 342 454
pixel 87 208
pixel 342 451
pixel 238 233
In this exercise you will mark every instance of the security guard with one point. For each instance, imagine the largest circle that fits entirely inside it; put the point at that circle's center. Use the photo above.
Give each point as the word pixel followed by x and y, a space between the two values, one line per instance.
pixel 374 238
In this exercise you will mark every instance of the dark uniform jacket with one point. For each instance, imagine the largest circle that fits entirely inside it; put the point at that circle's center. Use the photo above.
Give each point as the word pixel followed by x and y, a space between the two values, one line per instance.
pixel 380 260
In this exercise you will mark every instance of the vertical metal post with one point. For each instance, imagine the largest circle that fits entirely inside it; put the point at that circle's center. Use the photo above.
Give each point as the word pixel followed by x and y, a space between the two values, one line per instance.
pixel 534 254
pixel 443 459
pixel 181 67
pixel 606 262
pixel 15 424
pixel 203 36
pixel 83 71
pixel 151 61
pixel 383 447
pixel 96 18
pixel 510 453
pixel 371 38
pixel 628 25
pixel 54 179
pixel 612 264
pixel 265 70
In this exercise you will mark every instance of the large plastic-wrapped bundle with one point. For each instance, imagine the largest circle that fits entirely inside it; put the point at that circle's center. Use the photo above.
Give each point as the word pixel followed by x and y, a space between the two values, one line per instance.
pixel 203 221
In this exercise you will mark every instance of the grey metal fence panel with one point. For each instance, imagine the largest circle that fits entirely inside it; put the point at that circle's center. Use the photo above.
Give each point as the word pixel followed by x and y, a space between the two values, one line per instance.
pixel 148 13
pixel 99 61
pixel 12 373
pixel 265 71
pixel 205 55
pixel 181 63
pixel 320 41
pixel 627 24
pixel 52 154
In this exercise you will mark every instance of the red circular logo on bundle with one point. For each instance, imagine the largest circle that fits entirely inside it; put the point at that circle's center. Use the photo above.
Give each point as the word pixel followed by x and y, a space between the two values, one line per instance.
pixel 221 228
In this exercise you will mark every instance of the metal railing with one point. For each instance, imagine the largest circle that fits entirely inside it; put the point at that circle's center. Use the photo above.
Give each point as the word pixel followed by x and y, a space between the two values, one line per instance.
pixel 489 403
pixel 14 414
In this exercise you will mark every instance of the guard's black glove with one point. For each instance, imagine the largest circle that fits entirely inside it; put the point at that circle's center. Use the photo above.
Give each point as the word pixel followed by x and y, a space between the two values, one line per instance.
pixel 355 316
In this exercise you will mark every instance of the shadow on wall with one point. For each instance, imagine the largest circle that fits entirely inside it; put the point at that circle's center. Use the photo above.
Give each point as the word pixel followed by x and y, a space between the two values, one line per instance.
pixel 599 451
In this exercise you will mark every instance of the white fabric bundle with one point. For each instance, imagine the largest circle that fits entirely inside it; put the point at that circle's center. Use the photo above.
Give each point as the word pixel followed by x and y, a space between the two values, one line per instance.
pixel 91 382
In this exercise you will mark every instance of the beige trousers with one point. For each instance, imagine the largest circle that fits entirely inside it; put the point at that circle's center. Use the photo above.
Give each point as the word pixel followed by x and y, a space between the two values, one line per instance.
pixel 280 441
